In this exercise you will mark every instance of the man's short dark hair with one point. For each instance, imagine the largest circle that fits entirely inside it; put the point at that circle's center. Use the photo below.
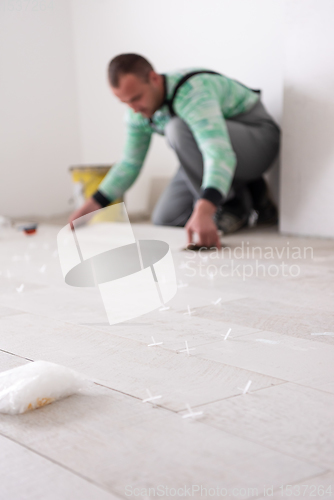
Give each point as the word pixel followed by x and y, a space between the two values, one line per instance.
pixel 128 63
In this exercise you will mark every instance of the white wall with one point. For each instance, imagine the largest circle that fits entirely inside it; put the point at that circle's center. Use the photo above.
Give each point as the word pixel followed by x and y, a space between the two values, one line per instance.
pixel 307 178
pixel 57 109
pixel 39 125
pixel 240 38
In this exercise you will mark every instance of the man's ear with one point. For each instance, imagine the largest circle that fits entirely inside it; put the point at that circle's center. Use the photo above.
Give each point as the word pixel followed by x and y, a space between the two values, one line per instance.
pixel 153 76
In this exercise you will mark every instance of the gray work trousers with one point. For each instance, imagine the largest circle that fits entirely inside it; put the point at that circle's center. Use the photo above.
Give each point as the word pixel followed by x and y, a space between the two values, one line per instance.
pixel 255 139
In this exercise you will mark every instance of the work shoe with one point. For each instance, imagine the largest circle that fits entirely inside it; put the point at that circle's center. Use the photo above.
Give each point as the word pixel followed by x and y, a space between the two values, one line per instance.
pixel 230 223
pixel 232 215
pixel 262 204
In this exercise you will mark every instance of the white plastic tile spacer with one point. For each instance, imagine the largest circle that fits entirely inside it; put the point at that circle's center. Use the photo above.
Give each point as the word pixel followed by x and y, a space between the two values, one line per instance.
pixel 227 334
pixel 187 350
pixel 154 343
pixel 189 311
pixel 191 414
pixel 181 284
pixel 245 390
pixel 151 397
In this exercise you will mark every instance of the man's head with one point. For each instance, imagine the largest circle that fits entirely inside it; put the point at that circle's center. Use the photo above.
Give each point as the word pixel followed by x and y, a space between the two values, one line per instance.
pixel 134 81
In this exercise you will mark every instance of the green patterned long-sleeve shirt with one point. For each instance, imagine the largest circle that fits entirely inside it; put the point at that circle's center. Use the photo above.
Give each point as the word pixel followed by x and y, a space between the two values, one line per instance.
pixel 203 102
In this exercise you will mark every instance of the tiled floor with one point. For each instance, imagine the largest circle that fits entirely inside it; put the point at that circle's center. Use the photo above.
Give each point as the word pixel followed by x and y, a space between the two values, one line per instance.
pixel 274 440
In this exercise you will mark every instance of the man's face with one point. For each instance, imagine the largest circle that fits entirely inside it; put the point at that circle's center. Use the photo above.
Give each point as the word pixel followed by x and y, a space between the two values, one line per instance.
pixel 143 97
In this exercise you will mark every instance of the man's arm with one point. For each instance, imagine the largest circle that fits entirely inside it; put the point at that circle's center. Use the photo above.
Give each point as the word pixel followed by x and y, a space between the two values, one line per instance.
pixel 123 174
pixel 200 109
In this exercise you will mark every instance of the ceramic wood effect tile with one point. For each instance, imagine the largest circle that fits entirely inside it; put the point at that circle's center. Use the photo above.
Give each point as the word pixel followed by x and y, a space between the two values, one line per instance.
pixel 316 487
pixel 127 365
pixel 27 475
pixel 289 418
pixel 277 434
pixel 116 441
pixel 306 362
pixel 290 320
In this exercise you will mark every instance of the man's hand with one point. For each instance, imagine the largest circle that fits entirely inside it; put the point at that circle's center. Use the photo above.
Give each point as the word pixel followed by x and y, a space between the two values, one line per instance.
pixel 201 223
pixel 89 206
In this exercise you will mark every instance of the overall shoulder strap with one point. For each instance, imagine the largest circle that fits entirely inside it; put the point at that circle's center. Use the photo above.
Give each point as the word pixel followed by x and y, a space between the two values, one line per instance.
pixel 180 83
pixel 189 75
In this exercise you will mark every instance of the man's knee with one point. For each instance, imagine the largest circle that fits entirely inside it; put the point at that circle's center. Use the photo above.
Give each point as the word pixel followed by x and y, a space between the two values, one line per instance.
pixel 175 131
pixel 159 218
pixel 175 218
